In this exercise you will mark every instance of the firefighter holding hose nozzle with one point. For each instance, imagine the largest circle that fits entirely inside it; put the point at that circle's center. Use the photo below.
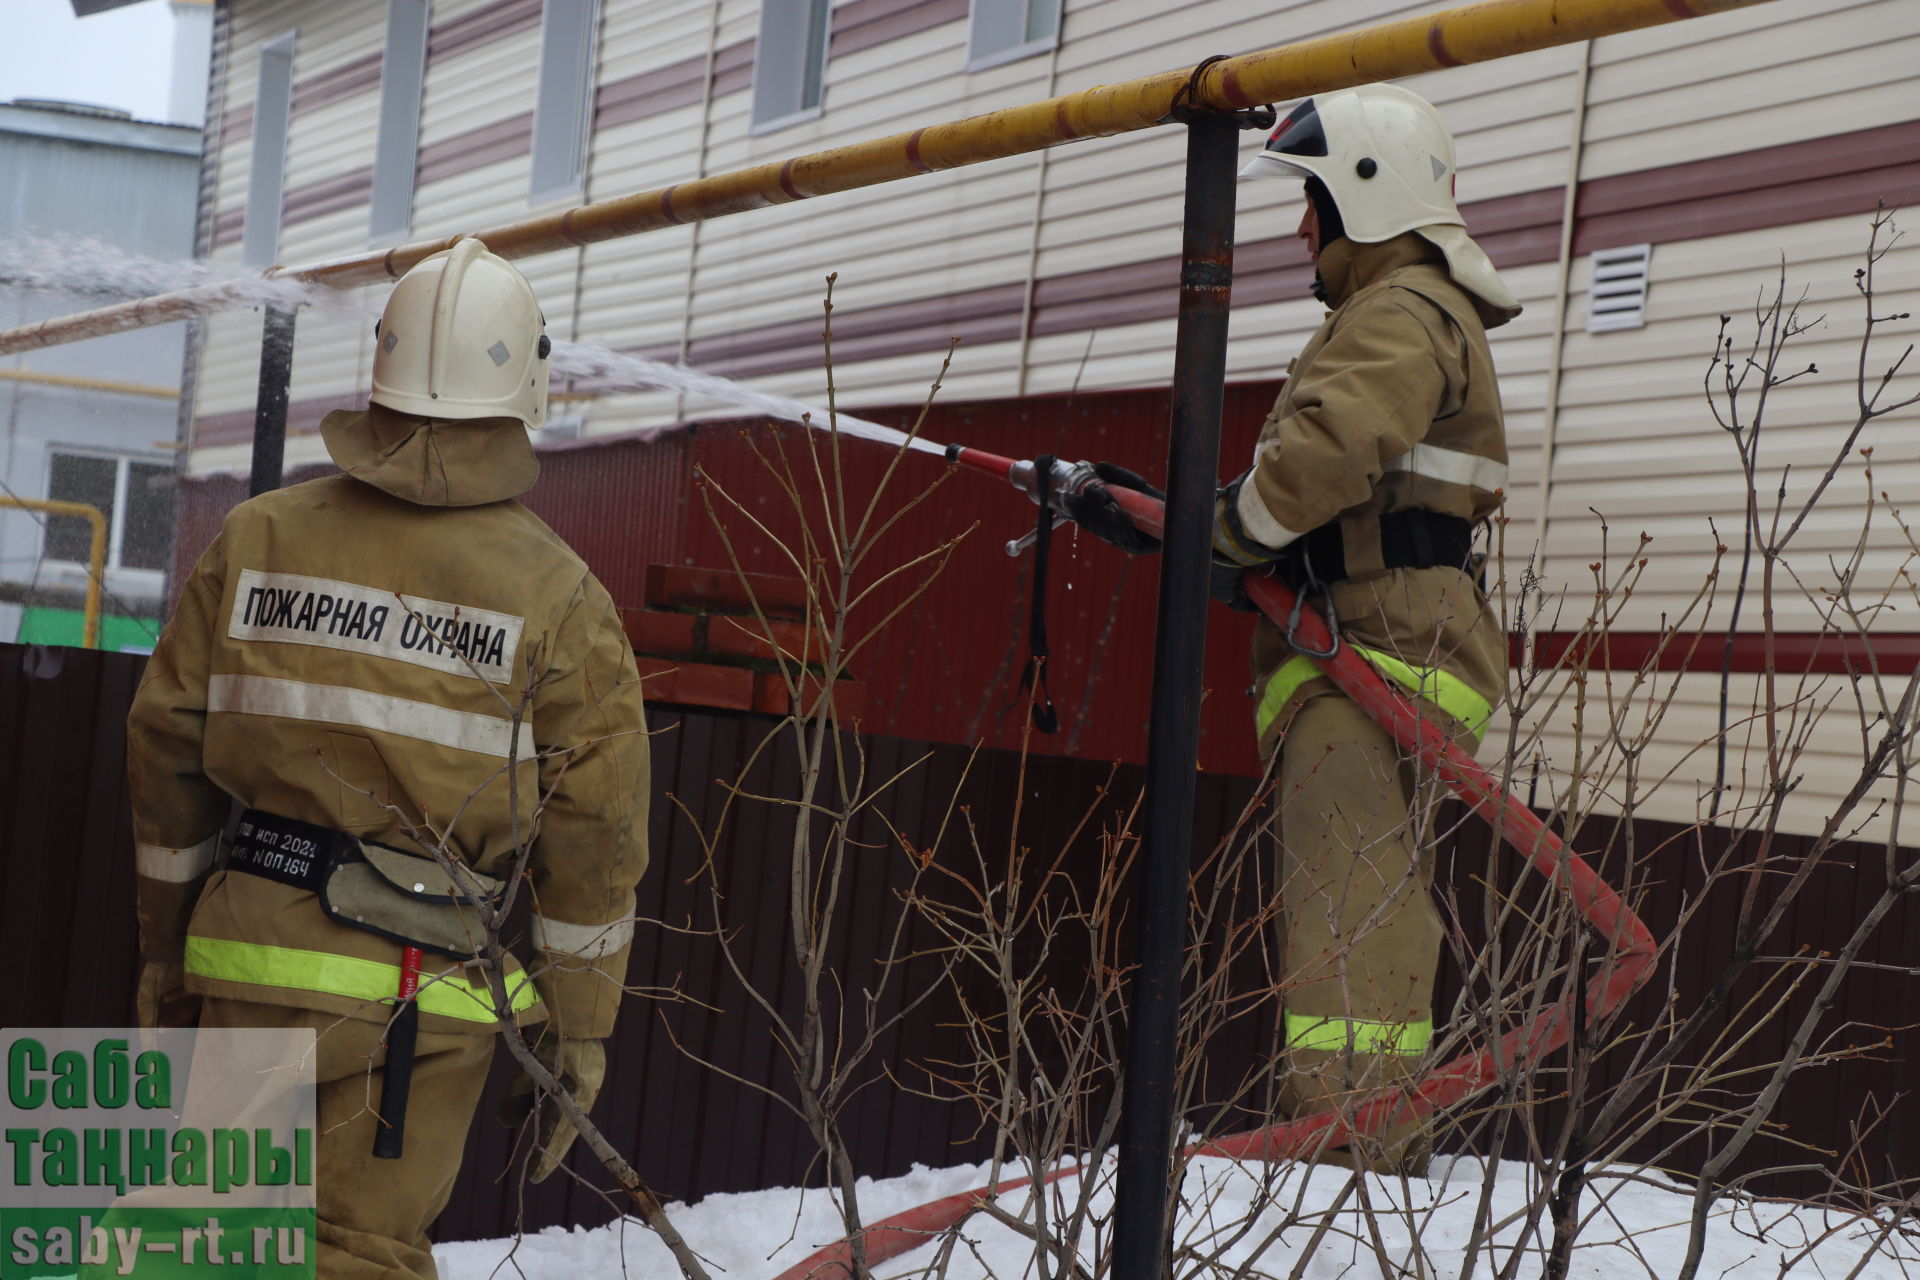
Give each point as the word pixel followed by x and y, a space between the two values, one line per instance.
pixel 378 666
pixel 1384 452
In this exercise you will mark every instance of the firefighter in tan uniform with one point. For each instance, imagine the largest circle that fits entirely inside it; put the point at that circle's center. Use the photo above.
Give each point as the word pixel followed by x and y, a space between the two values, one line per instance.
pixel 1385 450
pixel 376 665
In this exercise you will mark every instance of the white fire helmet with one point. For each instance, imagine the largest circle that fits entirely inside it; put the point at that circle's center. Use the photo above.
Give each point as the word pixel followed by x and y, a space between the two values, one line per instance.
pixel 1386 158
pixel 463 337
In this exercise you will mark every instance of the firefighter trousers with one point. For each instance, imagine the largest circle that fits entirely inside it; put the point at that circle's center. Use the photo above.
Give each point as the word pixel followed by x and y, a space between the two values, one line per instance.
pixel 1360 933
pixel 374 1214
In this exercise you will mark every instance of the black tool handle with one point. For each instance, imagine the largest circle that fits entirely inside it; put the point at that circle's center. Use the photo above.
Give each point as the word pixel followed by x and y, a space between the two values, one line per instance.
pixel 390 1139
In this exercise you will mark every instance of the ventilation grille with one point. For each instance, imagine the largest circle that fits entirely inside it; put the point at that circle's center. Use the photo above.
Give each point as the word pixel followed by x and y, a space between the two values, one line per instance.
pixel 1617 293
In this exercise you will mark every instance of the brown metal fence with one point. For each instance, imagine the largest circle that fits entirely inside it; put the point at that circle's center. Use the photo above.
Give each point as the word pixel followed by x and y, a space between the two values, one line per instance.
pixel 69 938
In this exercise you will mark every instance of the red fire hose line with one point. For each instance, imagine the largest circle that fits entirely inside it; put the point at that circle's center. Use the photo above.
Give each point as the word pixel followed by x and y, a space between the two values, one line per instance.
pixel 1627 966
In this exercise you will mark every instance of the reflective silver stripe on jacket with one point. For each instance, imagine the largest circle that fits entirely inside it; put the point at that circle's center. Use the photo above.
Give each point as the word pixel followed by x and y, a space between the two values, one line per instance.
pixel 338 704
pixel 175 866
pixel 1451 466
pixel 588 941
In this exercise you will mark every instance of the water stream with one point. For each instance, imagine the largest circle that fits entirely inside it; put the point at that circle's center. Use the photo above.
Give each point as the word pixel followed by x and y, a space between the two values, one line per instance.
pixel 611 371
pixel 95 274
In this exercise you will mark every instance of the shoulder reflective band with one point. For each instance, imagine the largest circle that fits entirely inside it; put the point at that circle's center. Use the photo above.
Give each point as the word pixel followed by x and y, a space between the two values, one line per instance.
pixel 321 971
pixel 1337 1035
pixel 1442 688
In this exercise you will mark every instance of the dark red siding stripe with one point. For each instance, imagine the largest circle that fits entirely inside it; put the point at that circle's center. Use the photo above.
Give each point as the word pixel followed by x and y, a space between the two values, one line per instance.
pixel 733 68
pixel 344 81
pixel 321 198
pixel 859 25
pixel 236 123
pixel 1687 201
pixel 1794 652
pixel 675 85
pixel 1799 182
pixel 1799 164
pixel 878 346
pixel 483 26
pixel 866 23
pixel 463 153
pixel 996 301
pixel 650 93
pixel 362 74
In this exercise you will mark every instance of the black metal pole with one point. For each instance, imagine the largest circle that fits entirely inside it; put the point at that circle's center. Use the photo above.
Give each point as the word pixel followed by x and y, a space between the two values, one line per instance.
pixel 270 405
pixel 1173 733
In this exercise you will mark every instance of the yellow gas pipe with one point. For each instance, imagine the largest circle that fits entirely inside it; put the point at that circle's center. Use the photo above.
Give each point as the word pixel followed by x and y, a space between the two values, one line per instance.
pixel 96 554
pixel 74 382
pixel 1454 37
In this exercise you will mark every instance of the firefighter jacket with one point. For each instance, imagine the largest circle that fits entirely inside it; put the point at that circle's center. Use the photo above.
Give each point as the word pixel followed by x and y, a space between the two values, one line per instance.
pixel 410 657
pixel 1391 405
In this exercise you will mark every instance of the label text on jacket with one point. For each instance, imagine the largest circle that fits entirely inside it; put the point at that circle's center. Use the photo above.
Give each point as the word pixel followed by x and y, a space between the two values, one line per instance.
pixel 292 608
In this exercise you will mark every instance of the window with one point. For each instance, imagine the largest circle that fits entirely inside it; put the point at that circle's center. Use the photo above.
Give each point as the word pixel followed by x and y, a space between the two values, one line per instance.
pixel 266 179
pixel 789 63
pixel 561 111
pixel 403 71
pixel 1007 30
pixel 136 495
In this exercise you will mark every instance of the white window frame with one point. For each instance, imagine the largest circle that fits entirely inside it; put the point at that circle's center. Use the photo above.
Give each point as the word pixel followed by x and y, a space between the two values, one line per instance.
pixel 267 168
pixel 787 27
pixel 563 103
pixel 988 20
pixel 116 518
pixel 396 153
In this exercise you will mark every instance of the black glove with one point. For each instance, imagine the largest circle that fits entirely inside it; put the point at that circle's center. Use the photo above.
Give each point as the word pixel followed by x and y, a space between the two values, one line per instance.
pixel 1094 510
pixel 1234 553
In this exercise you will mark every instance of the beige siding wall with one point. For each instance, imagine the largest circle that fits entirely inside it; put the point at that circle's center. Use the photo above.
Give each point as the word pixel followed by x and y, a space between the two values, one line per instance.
pixel 321 144
pixel 1770 75
pixel 1638 448
pixel 1631 434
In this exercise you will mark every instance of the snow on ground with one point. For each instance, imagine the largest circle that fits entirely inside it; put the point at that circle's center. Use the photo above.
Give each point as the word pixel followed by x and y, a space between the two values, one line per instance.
pixel 1246 1214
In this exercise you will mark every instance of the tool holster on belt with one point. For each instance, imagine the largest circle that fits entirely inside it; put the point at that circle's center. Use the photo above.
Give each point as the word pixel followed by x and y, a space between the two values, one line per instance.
pixel 418 902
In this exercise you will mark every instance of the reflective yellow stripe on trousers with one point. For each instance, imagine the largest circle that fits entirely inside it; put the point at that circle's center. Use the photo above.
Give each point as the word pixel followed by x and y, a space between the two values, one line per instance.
pixel 1442 688
pixel 1304 1031
pixel 328 974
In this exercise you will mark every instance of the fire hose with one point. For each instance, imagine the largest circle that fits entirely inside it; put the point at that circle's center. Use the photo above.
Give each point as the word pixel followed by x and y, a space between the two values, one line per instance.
pixel 1625 967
